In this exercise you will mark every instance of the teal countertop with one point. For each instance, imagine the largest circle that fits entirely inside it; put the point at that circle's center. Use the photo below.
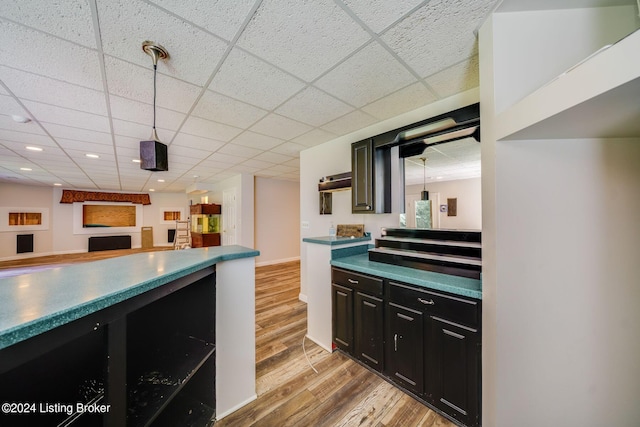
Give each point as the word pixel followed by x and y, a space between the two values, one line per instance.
pixel 31 304
pixel 336 241
pixel 443 282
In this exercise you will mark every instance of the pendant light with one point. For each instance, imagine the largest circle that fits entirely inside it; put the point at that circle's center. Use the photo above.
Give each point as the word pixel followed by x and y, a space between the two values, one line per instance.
pixel 153 153
pixel 424 194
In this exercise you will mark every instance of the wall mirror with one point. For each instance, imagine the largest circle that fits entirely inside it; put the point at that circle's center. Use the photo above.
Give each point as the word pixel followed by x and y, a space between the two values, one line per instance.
pixel 450 173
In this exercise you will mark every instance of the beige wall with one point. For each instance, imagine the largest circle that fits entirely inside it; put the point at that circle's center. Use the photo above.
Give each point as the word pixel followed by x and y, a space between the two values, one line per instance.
pixel 277 215
pixel 469 198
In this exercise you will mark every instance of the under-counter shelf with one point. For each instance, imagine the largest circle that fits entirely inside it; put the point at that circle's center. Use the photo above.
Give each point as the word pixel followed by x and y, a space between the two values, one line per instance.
pixel 597 98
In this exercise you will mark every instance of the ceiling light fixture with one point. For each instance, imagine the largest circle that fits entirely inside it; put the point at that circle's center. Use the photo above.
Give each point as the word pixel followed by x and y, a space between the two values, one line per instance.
pixel 57 184
pixel 424 194
pixel 20 119
pixel 161 180
pixel 153 153
pixel 25 169
pixel 136 161
pixel 33 148
pixel 92 156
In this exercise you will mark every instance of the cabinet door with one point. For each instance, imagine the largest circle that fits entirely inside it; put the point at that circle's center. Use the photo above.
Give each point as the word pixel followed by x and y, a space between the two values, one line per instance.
pixel 368 330
pixel 405 347
pixel 453 369
pixel 342 317
pixel 362 176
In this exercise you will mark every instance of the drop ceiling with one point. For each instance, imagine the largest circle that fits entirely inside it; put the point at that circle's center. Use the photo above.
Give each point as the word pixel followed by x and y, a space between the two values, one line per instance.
pixel 249 84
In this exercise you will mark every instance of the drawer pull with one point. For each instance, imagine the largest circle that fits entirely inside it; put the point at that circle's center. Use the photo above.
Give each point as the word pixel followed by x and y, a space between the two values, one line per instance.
pixel 424 301
pixel 395 342
pixel 355 282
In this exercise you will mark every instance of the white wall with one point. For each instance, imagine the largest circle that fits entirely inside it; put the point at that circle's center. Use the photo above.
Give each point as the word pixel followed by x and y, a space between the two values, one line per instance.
pixel 469 198
pixel 560 233
pixel 244 188
pixel 334 157
pixel 24 196
pixel 277 215
pixel 60 237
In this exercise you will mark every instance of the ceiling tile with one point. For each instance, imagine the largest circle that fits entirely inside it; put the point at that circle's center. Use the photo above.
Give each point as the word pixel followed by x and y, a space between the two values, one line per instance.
pixel 59 131
pixel 213 106
pixel 266 173
pixel 379 14
pixel 73 18
pixel 314 137
pixel 289 149
pixel 406 99
pixel 243 169
pixel 38 53
pixel 64 116
pixel 187 152
pixel 140 112
pixel 293 162
pixel 258 164
pixel 26 138
pixel 220 17
pixel 256 140
pixel 49 91
pixel 136 82
pixel 208 129
pixel 448 39
pixel 317 35
pixel 283 169
pixel 271 157
pixel 349 123
pixel 280 127
pixel 85 147
pixel 456 79
pixel 3 91
pixel 240 151
pixel 225 159
pixel 314 107
pixel 244 77
pixel 193 53
pixel 9 106
pixel 368 75
pixel 140 132
pixel 7 123
pixel 192 141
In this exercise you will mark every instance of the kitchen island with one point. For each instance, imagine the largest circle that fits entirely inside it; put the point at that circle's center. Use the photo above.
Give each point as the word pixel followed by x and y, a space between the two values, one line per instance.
pixel 161 337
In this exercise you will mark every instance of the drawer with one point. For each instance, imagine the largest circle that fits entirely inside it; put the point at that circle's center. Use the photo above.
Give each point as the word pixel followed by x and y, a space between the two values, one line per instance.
pixel 449 307
pixel 362 282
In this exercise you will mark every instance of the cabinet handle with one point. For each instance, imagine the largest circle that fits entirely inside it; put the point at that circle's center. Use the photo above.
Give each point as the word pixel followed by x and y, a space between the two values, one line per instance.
pixel 395 342
pixel 424 301
pixel 355 282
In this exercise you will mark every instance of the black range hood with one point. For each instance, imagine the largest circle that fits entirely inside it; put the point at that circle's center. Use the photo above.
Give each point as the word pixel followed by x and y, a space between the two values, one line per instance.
pixel 341 181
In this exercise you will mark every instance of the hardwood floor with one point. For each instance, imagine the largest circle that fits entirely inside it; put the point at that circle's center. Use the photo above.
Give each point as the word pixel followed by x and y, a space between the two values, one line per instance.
pixel 290 393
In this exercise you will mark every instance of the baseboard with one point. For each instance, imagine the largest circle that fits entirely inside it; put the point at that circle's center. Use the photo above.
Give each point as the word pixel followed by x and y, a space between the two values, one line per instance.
pixel 302 297
pixel 235 408
pixel 39 254
pixel 277 261
pixel 329 349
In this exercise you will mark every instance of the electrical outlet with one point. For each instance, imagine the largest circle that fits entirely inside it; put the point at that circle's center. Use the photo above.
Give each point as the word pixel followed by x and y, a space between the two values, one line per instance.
pixel 304 225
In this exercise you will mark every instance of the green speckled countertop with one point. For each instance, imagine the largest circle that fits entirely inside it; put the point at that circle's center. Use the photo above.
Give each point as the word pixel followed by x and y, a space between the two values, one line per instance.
pixel 336 241
pixel 31 304
pixel 436 281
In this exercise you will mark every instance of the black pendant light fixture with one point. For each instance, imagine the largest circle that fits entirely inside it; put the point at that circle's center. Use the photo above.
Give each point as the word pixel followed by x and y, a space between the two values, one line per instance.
pixel 153 153
pixel 424 194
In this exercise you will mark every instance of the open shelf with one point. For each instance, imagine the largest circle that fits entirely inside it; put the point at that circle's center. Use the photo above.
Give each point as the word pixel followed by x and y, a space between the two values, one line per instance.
pixel 152 389
pixel 598 98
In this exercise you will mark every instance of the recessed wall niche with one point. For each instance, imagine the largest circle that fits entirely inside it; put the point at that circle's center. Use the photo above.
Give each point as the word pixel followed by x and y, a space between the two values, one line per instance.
pixel 106 218
pixel 24 219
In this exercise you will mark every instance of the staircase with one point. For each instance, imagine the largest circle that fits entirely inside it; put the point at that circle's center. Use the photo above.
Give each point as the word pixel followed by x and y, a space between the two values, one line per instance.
pixel 454 252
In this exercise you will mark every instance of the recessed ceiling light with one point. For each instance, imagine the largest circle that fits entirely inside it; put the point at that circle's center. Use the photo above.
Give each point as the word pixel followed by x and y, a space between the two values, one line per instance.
pixel 196 176
pixel 151 189
pixel 438 177
pixel 34 148
pixel 57 184
pixel 92 156
pixel 20 119
pixel 161 180
pixel 25 169
pixel 136 161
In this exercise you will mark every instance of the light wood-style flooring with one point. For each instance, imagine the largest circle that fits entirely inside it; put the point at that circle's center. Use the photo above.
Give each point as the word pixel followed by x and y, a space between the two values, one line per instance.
pixel 290 393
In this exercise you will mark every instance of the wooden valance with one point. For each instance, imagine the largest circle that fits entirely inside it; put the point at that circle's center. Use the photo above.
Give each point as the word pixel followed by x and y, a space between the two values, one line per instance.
pixel 72 196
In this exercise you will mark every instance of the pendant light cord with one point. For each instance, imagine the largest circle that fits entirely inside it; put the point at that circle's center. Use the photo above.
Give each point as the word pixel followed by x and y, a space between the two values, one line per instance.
pixel 155 71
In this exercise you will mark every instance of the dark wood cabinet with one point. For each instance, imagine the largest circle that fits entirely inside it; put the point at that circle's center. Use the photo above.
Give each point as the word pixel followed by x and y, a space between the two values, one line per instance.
pixel 370 178
pixel 453 369
pixel 368 330
pixel 342 317
pixel 425 341
pixel 405 363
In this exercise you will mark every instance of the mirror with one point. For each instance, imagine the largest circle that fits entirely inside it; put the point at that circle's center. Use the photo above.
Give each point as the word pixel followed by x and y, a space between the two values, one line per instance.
pixel 450 174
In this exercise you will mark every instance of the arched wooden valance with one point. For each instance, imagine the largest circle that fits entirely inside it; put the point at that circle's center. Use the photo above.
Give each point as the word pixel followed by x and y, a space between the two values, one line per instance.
pixel 72 196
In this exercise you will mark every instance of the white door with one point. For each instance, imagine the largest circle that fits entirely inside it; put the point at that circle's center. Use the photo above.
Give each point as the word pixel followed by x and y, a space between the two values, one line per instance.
pixel 435 209
pixel 229 220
